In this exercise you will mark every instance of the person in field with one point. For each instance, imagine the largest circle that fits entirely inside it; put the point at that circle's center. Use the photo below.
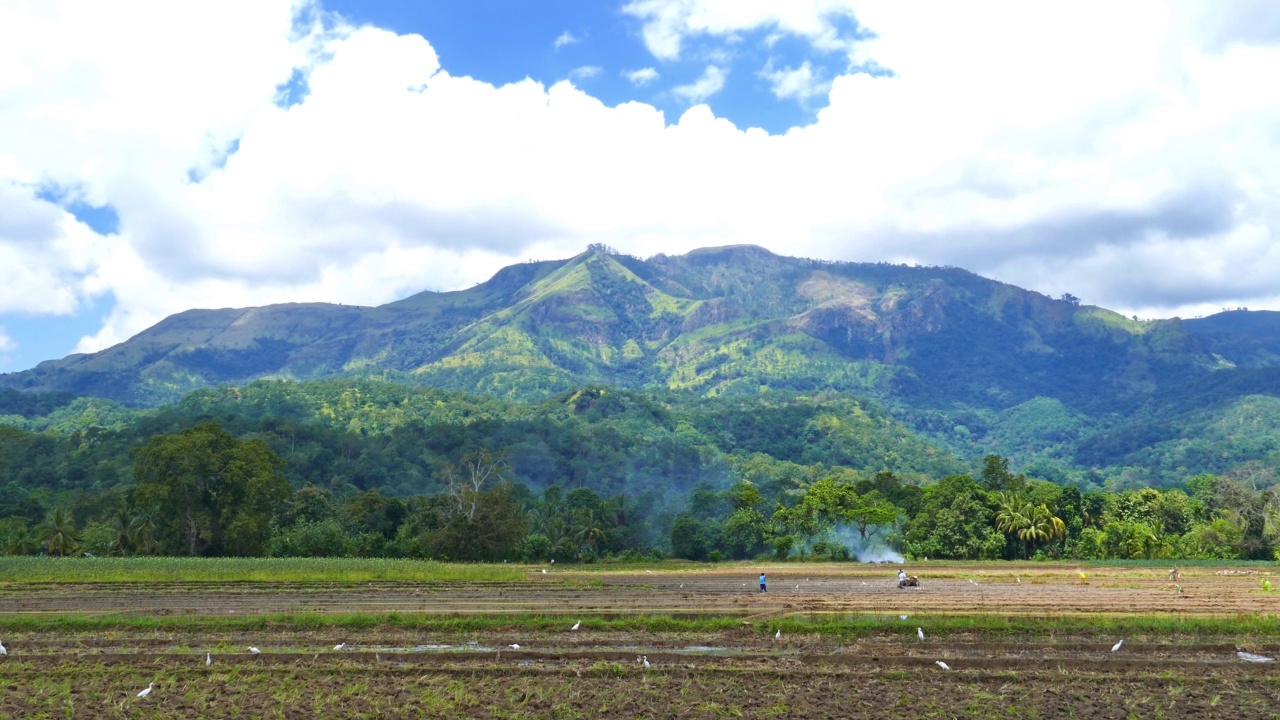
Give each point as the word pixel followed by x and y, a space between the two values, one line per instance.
pixel 763 585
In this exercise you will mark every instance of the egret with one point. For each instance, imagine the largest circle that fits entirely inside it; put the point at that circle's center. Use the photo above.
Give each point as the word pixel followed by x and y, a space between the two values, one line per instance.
pixel 1019 580
pixel 1117 645
pixel 971 582
pixel 514 646
pixel 1250 657
pixel 544 571
pixel 339 646
pixel 681 586
pixel 576 625
pixel 3 650
pixel 208 659
pixel 920 634
pixel 254 650
pixel 942 665
pixel 902 617
pixel 646 662
pixel 777 635
pixel 147 691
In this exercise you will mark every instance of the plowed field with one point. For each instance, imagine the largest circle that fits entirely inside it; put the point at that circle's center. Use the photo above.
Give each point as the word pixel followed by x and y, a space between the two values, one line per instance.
pixel 1064 667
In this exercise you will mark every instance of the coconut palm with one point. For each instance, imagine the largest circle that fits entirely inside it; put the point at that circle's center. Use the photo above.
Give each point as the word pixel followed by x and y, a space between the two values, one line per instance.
pixel 57 532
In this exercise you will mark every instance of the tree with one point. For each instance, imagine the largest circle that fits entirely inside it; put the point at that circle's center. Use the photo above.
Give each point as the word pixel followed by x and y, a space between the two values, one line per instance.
pixel 214 494
pixel 57 534
pixel 869 513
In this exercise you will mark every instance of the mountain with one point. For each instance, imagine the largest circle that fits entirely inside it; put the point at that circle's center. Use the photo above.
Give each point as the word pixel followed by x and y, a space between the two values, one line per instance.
pixel 980 365
pixel 716 321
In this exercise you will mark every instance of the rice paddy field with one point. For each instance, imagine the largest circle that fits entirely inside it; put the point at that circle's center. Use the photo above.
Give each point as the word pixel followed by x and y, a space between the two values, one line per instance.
pixel 403 639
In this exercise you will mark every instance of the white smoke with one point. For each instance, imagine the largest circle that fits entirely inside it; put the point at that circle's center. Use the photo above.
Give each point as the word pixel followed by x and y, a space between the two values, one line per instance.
pixel 873 550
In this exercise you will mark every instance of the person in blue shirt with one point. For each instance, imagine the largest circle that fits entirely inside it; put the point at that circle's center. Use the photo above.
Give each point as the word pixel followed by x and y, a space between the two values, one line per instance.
pixel 762 583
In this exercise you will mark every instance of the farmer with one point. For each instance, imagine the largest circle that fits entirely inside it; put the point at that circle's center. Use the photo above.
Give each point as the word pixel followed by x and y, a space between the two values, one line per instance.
pixel 902 577
pixel 762 583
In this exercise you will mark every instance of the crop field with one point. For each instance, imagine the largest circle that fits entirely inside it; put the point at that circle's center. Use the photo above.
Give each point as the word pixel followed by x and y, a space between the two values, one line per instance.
pixel 1017 640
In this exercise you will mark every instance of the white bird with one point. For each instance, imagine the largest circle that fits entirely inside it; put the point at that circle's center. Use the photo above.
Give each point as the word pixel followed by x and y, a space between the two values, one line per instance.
pixel 681 585
pixel 902 617
pixel 797 587
pixel 544 571
pixel 971 582
pixel 1019 580
pixel 1117 645
pixel 942 665
pixel 339 646
pixel 1250 657
pixel 777 635
pixel 576 625
pixel 208 659
pixel 3 650
pixel 514 646
pixel 646 662
pixel 920 633
pixel 254 650
pixel 146 691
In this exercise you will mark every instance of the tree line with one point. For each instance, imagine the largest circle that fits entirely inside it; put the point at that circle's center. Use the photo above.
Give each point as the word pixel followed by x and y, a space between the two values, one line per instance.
pixel 203 490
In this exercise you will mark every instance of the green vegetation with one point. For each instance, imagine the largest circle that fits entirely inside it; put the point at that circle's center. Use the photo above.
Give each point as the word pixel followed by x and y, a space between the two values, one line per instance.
pixel 375 469
pixel 22 570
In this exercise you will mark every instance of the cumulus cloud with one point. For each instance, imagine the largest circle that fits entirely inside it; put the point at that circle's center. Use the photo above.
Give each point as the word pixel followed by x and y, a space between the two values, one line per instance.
pixel 6 343
pixel 667 24
pixel 641 77
pixel 1141 174
pixel 709 83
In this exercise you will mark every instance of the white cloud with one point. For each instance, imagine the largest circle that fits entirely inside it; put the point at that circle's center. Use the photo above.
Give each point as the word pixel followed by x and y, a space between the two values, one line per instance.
pixel 1141 174
pixel 641 77
pixel 668 23
pixel 6 343
pixel 709 83
pixel 586 72
pixel 565 38
pixel 800 83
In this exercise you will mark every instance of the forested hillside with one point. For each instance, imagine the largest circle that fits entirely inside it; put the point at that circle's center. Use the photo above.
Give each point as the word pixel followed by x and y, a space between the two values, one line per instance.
pixel 1069 392
pixel 373 468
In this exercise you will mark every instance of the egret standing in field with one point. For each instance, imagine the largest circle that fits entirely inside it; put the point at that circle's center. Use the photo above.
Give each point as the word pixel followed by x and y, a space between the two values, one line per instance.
pixel 3 650
pixel 920 634
pixel 942 665
pixel 576 625
pixel 646 662
pixel 146 691
pixel 208 659
pixel 254 650
pixel 1117 645
pixel 777 635
pixel 339 646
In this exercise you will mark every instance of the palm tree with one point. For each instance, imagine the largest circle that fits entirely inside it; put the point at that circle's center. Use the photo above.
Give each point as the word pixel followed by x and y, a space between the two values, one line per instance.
pixel 142 531
pixel 20 541
pixel 1012 518
pixel 122 526
pixel 588 527
pixel 1043 527
pixel 57 532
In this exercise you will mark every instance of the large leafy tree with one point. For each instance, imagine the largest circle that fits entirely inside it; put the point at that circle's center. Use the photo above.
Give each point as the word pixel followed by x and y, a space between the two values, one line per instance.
pixel 214 494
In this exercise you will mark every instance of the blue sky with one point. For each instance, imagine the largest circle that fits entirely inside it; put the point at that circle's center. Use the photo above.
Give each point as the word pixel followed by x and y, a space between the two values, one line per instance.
pixel 151 163
pixel 505 41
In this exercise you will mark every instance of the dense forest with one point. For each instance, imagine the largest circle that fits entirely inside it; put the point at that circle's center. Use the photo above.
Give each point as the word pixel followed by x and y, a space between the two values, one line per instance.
pixel 368 468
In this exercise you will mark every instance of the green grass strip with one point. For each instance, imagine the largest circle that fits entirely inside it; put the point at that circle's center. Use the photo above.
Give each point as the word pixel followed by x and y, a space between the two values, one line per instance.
pixel 181 569
pixel 1156 628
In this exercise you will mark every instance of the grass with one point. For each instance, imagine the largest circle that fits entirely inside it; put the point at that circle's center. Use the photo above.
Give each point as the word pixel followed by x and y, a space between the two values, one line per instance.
pixel 1166 628
pixel 179 569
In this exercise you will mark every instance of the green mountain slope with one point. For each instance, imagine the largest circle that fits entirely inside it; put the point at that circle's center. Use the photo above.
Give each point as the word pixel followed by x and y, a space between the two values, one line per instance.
pixel 974 364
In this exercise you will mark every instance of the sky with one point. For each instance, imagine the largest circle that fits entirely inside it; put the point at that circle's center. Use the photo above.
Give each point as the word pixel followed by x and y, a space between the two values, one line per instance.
pixel 159 156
